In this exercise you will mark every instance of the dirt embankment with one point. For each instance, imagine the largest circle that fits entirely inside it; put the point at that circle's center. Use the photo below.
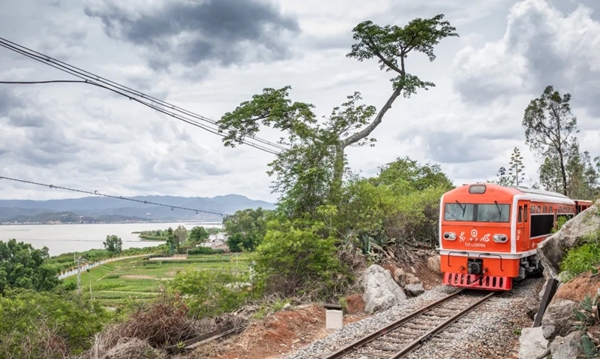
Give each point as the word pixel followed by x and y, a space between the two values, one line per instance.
pixel 286 331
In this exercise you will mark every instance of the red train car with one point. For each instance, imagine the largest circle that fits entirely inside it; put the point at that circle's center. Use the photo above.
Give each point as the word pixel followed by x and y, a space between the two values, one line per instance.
pixel 489 233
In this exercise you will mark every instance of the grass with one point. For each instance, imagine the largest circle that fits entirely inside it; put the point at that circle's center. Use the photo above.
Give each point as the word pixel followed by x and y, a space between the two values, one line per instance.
pixel 115 283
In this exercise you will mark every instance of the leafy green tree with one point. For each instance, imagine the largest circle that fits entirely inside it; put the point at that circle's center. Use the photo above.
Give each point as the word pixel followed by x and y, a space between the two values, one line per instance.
pixel 198 234
pixel 549 131
pixel 246 229
pixel 400 205
pixel 22 266
pixel 113 244
pixel 417 176
pixel 516 168
pixel 180 234
pixel 310 171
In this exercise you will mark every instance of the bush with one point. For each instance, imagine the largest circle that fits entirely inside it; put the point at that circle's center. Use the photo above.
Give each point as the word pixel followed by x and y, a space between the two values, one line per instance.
pixel 41 325
pixel 204 250
pixel 584 257
pixel 300 258
pixel 210 293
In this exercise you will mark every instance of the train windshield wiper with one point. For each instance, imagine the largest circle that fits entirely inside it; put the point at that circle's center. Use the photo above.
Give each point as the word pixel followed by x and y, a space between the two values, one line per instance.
pixel 463 207
pixel 499 210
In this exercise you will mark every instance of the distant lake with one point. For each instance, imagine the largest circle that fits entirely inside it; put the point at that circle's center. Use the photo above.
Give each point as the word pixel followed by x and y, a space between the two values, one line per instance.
pixel 66 238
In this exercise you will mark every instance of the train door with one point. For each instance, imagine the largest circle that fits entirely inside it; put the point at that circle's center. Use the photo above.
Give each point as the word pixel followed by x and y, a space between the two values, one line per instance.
pixel 522 226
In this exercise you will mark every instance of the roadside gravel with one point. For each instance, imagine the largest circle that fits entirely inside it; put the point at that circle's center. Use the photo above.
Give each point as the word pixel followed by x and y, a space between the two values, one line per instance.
pixel 489 331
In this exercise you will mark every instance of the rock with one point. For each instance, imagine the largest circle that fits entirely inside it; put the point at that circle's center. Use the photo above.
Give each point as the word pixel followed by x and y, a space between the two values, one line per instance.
pixel 400 276
pixel 567 347
pixel 558 318
pixel 552 250
pixel 414 290
pixel 532 343
pixel 287 306
pixel 412 279
pixel 433 263
pixel 531 308
pixel 380 290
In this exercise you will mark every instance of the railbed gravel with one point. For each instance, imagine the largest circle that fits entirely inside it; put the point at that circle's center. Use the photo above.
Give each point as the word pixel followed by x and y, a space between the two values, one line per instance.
pixel 489 331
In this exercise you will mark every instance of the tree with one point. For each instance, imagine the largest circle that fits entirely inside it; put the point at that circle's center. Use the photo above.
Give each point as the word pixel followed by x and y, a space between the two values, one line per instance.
pixel 180 234
pixel 246 229
pixel 503 179
pixel 198 234
pixel 113 244
pixel 516 168
pixel 582 176
pixel 22 266
pixel 549 131
pixel 310 170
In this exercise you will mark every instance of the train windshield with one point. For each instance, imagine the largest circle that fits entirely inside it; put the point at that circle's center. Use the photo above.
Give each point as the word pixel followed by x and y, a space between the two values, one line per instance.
pixel 493 212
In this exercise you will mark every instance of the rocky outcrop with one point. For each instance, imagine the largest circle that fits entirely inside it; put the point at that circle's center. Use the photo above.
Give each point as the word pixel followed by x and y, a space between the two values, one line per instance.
pixel 558 319
pixel 532 344
pixel 381 292
pixel 567 347
pixel 552 250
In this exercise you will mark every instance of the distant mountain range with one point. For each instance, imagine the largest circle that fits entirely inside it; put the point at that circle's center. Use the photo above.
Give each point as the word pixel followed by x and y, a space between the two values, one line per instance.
pixel 110 210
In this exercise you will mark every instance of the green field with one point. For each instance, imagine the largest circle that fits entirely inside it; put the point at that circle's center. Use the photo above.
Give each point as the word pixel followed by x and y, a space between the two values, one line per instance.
pixel 112 284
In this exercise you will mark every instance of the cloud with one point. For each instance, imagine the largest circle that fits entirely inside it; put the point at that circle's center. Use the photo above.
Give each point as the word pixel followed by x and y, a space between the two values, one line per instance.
pixel 191 32
pixel 541 46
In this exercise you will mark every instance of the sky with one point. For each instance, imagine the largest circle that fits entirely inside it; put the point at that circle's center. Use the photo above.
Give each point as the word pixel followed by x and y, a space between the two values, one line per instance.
pixel 208 56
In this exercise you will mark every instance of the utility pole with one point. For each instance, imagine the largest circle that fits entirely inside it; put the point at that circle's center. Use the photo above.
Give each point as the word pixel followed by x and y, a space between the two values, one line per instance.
pixel 79 261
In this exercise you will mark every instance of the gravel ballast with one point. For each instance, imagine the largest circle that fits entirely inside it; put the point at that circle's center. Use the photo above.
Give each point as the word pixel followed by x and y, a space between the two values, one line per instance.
pixel 489 331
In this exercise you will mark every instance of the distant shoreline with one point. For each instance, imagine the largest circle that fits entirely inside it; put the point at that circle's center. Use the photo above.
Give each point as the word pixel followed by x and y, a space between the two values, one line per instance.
pixel 141 222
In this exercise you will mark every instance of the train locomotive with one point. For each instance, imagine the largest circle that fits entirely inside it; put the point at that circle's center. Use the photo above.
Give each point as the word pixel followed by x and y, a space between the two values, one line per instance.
pixel 489 233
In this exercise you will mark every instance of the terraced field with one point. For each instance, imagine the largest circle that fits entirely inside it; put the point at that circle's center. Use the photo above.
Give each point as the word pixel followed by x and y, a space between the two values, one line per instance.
pixel 115 283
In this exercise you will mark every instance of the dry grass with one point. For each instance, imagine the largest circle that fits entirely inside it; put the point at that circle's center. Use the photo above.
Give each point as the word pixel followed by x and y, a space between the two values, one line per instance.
pixel 150 331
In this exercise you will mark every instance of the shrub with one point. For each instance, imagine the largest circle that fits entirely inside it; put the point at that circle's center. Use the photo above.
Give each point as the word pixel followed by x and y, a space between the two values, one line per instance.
pixel 584 257
pixel 211 293
pixel 300 258
pixel 46 324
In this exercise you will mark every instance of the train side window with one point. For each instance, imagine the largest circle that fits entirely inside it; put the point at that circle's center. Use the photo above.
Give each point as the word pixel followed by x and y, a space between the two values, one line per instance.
pixel 539 209
pixel 525 213
pixel 520 213
pixel 550 210
pixel 545 208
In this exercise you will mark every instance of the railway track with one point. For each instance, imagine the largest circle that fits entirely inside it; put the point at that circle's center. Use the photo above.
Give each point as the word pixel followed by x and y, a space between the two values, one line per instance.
pixel 413 330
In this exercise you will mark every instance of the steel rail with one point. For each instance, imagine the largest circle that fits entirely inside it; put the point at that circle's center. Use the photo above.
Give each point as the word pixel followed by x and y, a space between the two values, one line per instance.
pixel 425 337
pixel 392 326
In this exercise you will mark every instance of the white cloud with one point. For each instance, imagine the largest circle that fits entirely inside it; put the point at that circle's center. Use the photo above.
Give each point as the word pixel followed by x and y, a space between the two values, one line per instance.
pixel 84 137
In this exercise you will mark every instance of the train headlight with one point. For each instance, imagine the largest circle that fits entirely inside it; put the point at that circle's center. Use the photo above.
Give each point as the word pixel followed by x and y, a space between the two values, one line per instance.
pixel 449 236
pixel 500 238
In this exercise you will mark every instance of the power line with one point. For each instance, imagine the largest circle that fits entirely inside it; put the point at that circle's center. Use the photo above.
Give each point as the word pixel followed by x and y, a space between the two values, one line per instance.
pixel 96 193
pixel 147 100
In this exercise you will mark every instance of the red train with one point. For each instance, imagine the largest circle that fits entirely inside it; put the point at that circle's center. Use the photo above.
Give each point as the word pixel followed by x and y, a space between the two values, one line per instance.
pixel 489 233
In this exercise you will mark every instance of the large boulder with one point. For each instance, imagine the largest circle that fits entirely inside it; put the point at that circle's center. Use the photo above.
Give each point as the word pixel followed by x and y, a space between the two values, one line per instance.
pixel 381 291
pixel 433 263
pixel 552 250
pixel 567 347
pixel 532 344
pixel 558 318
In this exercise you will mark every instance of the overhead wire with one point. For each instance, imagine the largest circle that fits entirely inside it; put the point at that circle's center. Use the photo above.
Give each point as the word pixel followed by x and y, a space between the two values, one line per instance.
pixel 96 193
pixel 152 102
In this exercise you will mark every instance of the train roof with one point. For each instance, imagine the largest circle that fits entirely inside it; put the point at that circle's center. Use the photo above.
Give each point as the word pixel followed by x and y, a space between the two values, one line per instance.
pixel 514 190
pixel 539 191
